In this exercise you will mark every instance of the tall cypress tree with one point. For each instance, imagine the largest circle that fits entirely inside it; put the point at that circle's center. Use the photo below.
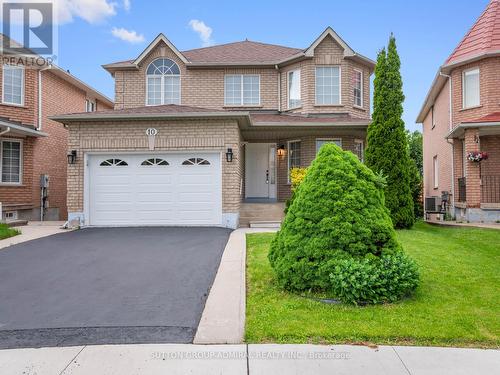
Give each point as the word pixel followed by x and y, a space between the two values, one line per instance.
pixel 387 149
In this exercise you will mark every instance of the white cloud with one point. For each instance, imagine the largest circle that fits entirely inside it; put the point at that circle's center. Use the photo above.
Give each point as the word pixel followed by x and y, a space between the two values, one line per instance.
pixel 92 11
pixel 204 31
pixel 126 5
pixel 127 35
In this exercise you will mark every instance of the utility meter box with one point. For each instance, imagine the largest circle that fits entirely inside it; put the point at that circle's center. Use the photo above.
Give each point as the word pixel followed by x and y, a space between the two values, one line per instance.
pixel 44 181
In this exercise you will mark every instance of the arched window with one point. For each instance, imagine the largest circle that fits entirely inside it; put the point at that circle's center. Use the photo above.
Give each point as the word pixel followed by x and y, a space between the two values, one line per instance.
pixel 196 161
pixel 154 161
pixel 113 162
pixel 163 82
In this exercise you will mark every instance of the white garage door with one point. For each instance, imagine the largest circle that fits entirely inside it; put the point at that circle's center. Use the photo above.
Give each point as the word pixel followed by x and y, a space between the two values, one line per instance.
pixel 155 189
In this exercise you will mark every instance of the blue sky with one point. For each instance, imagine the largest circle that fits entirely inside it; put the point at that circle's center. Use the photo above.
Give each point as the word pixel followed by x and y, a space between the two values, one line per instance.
pixel 426 31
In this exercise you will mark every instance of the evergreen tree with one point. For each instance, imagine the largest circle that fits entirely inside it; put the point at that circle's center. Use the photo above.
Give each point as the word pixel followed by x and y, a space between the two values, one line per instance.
pixel 387 150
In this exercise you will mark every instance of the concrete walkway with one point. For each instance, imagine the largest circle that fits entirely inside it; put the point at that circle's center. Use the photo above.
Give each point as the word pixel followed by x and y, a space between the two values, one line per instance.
pixel 153 359
pixel 34 230
pixel 223 319
pixel 461 224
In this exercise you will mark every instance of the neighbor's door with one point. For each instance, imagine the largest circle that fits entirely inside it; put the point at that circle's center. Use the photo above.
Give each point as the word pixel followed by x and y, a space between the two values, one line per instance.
pixel 260 170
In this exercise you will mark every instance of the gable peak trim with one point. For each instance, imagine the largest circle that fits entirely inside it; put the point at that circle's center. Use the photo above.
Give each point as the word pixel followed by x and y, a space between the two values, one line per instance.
pixel 348 51
pixel 154 43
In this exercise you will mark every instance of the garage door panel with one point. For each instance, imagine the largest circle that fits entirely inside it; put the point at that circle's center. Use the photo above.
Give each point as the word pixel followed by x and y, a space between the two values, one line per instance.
pixel 173 194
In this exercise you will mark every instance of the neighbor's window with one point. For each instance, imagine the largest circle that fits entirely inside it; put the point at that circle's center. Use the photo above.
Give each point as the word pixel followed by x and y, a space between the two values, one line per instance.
pixel 433 124
pixel 357 81
pixel 163 82
pixel 11 162
pixel 321 142
pixel 241 89
pixel 359 149
pixel 293 156
pixel 435 171
pixel 327 85
pixel 294 100
pixel 470 83
pixel 13 85
pixel 90 105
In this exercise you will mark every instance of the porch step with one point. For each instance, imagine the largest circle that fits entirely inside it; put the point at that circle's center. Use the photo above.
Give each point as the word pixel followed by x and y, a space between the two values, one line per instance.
pixel 16 223
pixel 265 224
pixel 261 212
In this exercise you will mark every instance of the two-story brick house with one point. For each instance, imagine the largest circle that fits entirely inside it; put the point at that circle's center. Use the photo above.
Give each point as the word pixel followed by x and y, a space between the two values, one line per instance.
pixel 32 145
pixel 195 133
pixel 460 117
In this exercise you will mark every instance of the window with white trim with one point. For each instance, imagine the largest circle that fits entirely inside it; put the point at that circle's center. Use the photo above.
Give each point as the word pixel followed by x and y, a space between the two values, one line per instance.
pixel 327 85
pixel 435 171
pixel 321 141
pixel 359 149
pixel 357 80
pixel 294 100
pixel 241 89
pixel 90 105
pixel 11 161
pixel 293 156
pixel 13 85
pixel 470 88
pixel 163 82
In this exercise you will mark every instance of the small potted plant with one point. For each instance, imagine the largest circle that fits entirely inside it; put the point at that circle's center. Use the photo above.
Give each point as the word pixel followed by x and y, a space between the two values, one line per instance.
pixel 477 156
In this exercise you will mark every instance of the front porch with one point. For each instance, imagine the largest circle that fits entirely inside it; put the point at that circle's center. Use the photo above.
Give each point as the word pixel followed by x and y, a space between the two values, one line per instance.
pixel 477 182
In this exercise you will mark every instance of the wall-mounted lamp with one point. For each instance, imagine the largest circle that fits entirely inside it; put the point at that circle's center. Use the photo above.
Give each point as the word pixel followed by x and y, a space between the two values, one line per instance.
pixel 281 150
pixel 229 155
pixel 72 157
pixel 476 139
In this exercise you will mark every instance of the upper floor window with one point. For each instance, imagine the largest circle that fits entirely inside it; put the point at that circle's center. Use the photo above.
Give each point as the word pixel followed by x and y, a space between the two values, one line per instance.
pixel 470 85
pixel 13 85
pixel 90 105
pixel 241 89
pixel 328 85
pixel 11 161
pixel 357 80
pixel 163 82
pixel 294 100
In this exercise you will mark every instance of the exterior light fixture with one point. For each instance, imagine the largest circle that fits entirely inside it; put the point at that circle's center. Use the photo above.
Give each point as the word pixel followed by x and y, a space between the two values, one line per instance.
pixel 281 150
pixel 229 155
pixel 72 157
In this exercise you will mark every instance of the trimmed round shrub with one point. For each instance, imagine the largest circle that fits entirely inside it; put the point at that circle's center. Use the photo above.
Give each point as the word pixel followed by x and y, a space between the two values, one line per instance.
pixel 337 220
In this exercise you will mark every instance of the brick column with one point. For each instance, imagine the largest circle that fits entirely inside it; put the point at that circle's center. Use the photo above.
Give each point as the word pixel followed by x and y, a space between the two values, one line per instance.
pixel 473 181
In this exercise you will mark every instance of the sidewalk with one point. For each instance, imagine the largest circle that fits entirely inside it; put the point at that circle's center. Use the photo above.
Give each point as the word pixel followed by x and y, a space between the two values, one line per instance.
pixel 248 359
pixel 34 230
pixel 462 224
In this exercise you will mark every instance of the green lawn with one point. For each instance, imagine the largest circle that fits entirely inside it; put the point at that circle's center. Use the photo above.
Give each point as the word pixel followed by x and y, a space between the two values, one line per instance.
pixel 457 303
pixel 6 231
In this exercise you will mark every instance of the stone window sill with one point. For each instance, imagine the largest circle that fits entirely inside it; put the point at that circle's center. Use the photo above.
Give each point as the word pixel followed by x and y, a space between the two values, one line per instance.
pixel 470 108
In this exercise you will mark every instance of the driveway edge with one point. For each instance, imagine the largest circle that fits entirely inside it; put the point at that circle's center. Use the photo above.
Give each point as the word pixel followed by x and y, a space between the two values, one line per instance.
pixel 223 319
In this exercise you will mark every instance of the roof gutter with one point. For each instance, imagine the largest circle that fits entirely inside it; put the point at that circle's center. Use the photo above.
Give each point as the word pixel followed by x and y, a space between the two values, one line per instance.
pixel 21 129
pixel 134 116
pixel 471 125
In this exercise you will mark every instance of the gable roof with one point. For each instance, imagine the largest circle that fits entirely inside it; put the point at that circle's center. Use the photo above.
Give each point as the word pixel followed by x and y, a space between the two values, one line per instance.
pixel 482 38
pixel 242 53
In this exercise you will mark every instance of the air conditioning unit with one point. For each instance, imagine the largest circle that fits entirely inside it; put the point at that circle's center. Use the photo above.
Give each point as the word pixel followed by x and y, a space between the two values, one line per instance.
pixel 433 204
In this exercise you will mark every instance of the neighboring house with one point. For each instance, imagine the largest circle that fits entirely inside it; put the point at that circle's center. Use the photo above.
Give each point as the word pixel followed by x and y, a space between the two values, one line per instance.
pixel 225 123
pixel 31 145
pixel 460 115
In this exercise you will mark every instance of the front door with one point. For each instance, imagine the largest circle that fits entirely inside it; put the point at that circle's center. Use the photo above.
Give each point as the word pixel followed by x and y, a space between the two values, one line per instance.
pixel 260 170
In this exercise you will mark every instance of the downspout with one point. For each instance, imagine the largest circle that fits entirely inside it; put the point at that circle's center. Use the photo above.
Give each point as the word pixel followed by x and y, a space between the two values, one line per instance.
pixel 5 131
pixel 451 143
pixel 279 87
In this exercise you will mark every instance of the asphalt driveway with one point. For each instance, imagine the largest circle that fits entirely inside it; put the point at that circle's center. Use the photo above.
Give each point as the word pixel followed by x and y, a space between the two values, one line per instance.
pixel 108 286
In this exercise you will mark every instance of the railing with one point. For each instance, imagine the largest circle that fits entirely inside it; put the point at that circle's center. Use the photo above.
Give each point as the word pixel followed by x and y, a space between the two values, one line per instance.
pixel 462 195
pixel 490 189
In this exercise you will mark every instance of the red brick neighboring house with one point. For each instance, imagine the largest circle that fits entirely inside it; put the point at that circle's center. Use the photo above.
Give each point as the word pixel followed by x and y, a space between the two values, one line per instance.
pixel 460 116
pixel 32 145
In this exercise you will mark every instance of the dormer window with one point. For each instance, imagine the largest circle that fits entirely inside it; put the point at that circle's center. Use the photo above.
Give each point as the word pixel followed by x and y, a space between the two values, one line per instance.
pixel 163 82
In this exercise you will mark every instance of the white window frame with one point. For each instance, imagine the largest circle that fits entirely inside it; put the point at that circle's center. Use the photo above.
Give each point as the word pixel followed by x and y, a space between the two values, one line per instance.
pixel 362 89
pixel 435 171
pixel 162 84
pixel 362 143
pixel 289 154
pixel 89 102
pixel 288 88
pixel 332 140
pixel 241 93
pixel 23 78
pixel 464 73
pixel 315 85
pixel 20 141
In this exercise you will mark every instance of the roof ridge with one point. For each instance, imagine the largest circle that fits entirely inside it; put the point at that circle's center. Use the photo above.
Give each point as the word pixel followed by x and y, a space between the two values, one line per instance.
pixel 242 41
